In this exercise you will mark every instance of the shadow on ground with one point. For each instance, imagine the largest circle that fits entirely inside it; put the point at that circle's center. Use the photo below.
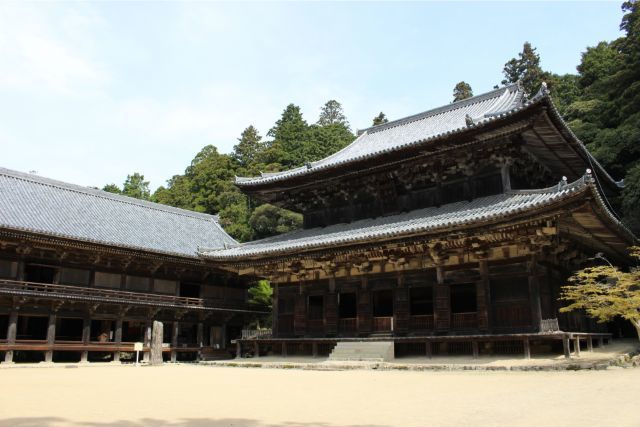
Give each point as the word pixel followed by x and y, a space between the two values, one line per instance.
pixel 148 422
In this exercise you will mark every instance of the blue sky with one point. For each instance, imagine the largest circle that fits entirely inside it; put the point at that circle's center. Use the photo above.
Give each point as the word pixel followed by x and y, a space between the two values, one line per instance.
pixel 90 92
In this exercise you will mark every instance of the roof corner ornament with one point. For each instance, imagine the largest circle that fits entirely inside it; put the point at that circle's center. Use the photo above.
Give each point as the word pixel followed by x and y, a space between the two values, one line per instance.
pixel 468 120
pixel 588 175
pixel 308 165
pixel 563 183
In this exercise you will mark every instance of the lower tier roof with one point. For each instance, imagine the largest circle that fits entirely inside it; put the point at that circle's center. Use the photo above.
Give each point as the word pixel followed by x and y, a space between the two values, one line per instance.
pixel 466 214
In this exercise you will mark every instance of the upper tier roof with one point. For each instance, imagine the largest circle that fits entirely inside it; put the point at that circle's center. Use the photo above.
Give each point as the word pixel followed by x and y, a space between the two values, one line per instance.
pixel 40 205
pixel 420 221
pixel 453 119
pixel 409 130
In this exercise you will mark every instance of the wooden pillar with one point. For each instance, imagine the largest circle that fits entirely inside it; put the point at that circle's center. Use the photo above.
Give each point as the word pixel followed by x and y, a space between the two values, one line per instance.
pixel 534 295
pixel 401 307
pixel 365 309
pixel 300 312
pixel 482 296
pixel 284 349
pixel 474 347
pixel 86 337
pixel 51 337
pixel 565 347
pixel 200 334
pixel 256 349
pixel 12 330
pixel 238 349
pixel 601 342
pixel 576 344
pixel 428 349
pixel 274 310
pixel 331 309
pixel 589 343
pixel 442 312
pixel 175 329
pixel 527 348
pixel 223 335
pixel 314 349
pixel 506 177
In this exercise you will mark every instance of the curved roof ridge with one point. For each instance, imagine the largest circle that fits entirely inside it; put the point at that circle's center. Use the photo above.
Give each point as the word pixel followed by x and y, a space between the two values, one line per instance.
pixel 442 109
pixel 96 192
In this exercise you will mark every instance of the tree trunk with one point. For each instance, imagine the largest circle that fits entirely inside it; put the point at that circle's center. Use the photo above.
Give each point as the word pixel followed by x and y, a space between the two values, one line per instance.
pixel 636 324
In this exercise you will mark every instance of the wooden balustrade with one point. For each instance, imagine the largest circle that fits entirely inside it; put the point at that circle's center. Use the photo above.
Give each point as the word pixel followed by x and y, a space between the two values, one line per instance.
pixel 16 287
pixel 421 322
pixel 464 320
pixel 382 324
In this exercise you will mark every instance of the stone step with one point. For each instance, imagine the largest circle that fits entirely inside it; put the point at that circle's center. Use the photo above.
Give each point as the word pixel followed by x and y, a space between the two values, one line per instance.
pixel 363 351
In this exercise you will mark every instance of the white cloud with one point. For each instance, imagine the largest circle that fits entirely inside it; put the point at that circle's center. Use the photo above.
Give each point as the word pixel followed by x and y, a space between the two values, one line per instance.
pixel 41 51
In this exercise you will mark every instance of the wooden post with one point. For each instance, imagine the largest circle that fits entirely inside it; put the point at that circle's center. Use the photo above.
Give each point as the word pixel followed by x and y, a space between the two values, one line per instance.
pixel 238 349
pixel 51 338
pixel 474 347
pixel 601 342
pixel 590 344
pixel 565 347
pixel 365 308
pixel 256 349
pixel 86 337
pixel 284 349
pixel 118 339
pixel 577 346
pixel 482 296
pixel 175 328
pixel 314 349
pixel 534 294
pixel 442 311
pixel 527 348
pixel 428 349
pixel 401 307
pixel 274 311
pixel 12 329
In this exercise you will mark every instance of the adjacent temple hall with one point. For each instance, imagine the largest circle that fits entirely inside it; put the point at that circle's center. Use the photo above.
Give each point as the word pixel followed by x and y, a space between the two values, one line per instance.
pixel 450 231
pixel 447 231
pixel 84 273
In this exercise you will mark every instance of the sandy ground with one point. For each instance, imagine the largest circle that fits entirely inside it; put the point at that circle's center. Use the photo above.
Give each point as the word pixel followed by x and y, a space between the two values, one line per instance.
pixel 192 395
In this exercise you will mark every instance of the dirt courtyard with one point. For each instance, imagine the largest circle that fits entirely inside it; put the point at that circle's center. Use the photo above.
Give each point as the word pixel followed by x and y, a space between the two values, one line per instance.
pixel 191 395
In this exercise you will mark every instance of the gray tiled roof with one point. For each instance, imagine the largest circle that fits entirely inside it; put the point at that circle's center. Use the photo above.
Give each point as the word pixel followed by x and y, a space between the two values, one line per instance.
pixel 397 134
pixel 35 204
pixel 432 219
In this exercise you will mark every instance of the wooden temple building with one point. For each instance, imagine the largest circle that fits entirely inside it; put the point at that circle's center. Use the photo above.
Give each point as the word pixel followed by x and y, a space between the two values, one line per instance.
pixel 84 273
pixel 448 231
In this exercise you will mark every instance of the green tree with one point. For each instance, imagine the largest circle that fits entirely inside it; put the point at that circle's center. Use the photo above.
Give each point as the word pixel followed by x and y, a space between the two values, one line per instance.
pixel 526 69
pixel 462 91
pixel 606 115
pixel 606 292
pixel 380 119
pixel 290 137
pixel 261 298
pixel 331 113
pixel 268 220
pixel 112 188
pixel 135 186
pixel 248 147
